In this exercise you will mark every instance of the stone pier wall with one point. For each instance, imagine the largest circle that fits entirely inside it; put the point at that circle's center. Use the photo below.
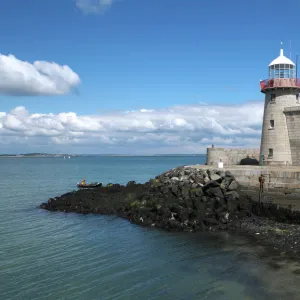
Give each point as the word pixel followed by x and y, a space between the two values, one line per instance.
pixel 282 184
pixel 229 156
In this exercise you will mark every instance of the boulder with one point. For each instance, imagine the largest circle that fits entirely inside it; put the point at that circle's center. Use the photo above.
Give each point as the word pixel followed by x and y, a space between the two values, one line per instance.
pixel 174 224
pixel 196 192
pixel 184 178
pixel 216 177
pixel 174 189
pixel 214 192
pixel 185 193
pixel 232 205
pixel 184 214
pixel 210 222
pixel 233 185
pixel 210 184
pixel 231 195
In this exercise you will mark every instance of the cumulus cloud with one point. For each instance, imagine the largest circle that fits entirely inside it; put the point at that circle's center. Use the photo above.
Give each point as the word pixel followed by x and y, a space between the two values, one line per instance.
pixel 22 78
pixel 178 129
pixel 94 6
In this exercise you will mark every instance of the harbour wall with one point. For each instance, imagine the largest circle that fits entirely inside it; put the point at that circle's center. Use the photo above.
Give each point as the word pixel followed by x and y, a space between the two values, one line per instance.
pixel 229 156
pixel 281 185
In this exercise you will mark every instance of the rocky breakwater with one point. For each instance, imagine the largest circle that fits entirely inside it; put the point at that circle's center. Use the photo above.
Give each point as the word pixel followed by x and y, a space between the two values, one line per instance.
pixel 185 199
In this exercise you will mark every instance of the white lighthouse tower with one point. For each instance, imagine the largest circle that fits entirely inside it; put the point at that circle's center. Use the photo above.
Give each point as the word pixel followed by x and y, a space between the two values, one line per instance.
pixel 281 91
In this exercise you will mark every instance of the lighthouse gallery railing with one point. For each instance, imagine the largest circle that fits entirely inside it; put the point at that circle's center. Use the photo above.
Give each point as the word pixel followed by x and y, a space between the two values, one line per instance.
pixel 280 82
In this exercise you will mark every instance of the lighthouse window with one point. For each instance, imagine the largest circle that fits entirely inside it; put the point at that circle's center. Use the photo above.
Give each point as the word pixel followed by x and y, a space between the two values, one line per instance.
pixel 273 98
pixel 281 71
pixel 270 155
pixel 272 123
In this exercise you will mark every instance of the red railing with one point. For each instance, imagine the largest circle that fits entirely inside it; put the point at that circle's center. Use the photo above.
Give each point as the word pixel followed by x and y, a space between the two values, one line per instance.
pixel 279 82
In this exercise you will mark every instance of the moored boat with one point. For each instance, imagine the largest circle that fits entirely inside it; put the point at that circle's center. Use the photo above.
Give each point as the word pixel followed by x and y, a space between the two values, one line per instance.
pixel 83 184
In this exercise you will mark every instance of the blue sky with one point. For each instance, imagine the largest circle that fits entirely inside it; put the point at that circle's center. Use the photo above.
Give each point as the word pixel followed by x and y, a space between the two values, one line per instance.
pixel 154 55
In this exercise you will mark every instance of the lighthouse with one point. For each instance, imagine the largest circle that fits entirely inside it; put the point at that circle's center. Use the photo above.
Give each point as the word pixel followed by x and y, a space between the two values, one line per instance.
pixel 280 140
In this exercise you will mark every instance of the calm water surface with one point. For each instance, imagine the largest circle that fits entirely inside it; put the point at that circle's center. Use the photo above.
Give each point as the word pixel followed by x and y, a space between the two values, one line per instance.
pixel 49 256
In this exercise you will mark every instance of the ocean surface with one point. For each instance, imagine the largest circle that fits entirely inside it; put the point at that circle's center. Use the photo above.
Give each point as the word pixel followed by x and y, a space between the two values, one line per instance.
pixel 46 255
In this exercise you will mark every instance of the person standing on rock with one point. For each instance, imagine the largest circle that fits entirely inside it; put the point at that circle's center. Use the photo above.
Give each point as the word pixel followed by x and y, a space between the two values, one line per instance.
pixel 261 180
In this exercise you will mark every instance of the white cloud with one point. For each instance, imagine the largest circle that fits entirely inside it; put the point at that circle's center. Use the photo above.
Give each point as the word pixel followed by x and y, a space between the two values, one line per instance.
pixel 178 129
pixel 143 110
pixel 22 78
pixel 93 6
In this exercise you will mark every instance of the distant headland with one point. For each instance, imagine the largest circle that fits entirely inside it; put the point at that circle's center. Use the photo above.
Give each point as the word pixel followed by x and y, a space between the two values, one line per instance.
pixel 105 155
pixel 24 155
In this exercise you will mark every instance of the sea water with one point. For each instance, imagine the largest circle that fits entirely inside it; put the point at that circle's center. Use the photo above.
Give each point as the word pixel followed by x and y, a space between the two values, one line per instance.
pixel 55 255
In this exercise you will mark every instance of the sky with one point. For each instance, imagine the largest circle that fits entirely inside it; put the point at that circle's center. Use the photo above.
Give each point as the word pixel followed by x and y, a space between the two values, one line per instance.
pixel 137 76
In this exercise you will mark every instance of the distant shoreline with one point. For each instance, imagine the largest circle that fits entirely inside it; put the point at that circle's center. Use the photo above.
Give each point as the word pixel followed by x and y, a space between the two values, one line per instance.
pixel 36 156
pixel 89 155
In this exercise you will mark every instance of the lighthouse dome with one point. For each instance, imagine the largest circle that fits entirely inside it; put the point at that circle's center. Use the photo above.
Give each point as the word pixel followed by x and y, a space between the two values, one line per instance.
pixel 281 59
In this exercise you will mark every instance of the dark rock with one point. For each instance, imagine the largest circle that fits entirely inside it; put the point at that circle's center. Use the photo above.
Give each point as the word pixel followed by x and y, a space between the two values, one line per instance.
pixel 231 195
pixel 184 214
pixel 185 193
pixel 174 224
pixel 199 179
pixel 176 208
pixel 196 192
pixel 200 214
pixel 195 185
pixel 165 191
pixel 233 185
pixel 44 206
pixel 210 221
pixel 198 203
pixel 190 203
pixel 204 198
pixel 180 184
pixel 210 184
pixel 167 213
pixel 224 217
pixel 220 211
pixel 175 189
pixel 232 205
pixel 214 192
pixel 213 204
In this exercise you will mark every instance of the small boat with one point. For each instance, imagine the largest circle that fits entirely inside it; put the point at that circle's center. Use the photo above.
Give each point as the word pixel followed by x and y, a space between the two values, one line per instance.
pixel 89 185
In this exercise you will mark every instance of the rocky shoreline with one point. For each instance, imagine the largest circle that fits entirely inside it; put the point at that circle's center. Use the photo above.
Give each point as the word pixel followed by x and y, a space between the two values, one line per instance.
pixel 188 199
